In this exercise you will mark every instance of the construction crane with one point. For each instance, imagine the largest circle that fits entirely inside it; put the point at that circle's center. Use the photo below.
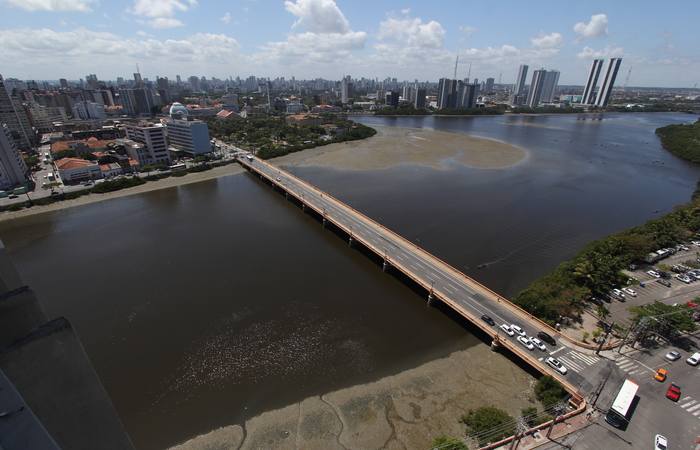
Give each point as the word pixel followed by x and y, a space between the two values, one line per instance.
pixel 627 80
pixel 456 61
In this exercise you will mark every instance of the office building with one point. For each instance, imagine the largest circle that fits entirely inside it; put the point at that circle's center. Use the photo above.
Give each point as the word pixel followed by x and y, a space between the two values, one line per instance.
pixel 194 84
pixel 187 136
pixel 608 82
pixel 13 170
pixel 88 110
pixel 42 118
pixel 392 99
pixel 136 102
pixel 456 94
pixel 421 95
pixel 13 114
pixel 152 137
pixel 344 90
pixel 519 88
pixel 488 87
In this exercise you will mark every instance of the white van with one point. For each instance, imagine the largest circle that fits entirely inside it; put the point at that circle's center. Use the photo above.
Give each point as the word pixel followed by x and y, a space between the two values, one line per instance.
pixel 694 359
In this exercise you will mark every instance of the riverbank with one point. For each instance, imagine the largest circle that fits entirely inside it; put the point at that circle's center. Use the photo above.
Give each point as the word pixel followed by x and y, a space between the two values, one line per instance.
pixel 406 410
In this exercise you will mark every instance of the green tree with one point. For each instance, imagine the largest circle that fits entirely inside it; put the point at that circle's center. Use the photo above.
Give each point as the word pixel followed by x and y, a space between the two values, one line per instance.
pixel 160 166
pixel 445 443
pixel 666 318
pixel 549 391
pixel 148 169
pixel 88 156
pixel 489 424
pixel 603 312
pixel 65 154
pixel 31 161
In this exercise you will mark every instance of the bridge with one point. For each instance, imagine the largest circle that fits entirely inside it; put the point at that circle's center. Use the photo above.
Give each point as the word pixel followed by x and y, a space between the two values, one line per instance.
pixel 441 281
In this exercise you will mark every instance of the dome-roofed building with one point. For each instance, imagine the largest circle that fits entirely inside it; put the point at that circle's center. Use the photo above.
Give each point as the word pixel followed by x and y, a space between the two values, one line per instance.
pixel 178 111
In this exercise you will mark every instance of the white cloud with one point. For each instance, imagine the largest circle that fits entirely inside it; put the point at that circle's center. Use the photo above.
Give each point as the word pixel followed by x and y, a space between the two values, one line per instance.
pixel 469 31
pixel 63 23
pixel 160 8
pixel 545 41
pixel 52 5
pixel 226 18
pixel 412 32
pixel 596 28
pixel 143 33
pixel 610 51
pixel 162 22
pixel 319 16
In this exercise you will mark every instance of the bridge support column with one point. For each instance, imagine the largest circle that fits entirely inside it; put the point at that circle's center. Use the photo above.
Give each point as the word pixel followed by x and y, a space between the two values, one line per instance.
pixel 432 300
pixel 351 242
pixel 303 207
pixel 495 345
pixel 286 195
pixel 387 266
pixel 326 223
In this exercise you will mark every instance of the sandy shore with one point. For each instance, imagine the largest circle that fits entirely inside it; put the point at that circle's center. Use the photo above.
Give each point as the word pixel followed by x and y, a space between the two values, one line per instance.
pixel 407 410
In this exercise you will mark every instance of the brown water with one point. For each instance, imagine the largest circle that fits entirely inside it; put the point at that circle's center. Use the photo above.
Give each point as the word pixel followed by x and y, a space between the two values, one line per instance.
pixel 208 303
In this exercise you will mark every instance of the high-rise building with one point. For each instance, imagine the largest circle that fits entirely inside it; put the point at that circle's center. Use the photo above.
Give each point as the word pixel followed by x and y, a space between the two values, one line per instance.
pixel 488 87
pixel 13 114
pixel 589 90
pixel 467 95
pixel 421 94
pixel 608 82
pixel 88 110
pixel 194 84
pixel 186 135
pixel 42 118
pixel 534 96
pixel 136 102
pixel 551 79
pixel 13 170
pixel 64 83
pixel 516 98
pixel 392 99
pixel 456 94
pixel 152 137
pixel 344 90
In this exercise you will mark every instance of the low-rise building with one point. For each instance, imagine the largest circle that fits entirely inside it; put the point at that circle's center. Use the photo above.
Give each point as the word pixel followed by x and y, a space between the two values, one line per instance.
pixel 304 119
pixel 71 170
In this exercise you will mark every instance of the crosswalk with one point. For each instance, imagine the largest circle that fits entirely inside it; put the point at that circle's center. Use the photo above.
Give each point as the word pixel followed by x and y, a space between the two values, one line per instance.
pixel 577 361
pixel 690 405
pixel 629 366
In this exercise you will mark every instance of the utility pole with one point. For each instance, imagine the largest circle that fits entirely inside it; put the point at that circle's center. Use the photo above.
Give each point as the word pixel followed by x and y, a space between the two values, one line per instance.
pixel 519 433
pixel 597 352
pixel 557 412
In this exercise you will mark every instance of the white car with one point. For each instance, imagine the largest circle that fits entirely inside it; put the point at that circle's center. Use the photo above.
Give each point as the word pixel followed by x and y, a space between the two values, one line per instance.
pixel 629 291
pixel 519 331
pixel 526 343
pixel 694 359
pixel 537 343
pixel 660 443
pixel 556 365
pixel 618 293
pixel 654 273
pixel 683 278
pixel 673 355
pixel 507 330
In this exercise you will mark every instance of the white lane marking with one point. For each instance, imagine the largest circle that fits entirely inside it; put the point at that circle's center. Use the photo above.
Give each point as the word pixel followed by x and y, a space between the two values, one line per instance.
pixel 445 289
pixel 689 403
pixel 693 408
pixel 557 350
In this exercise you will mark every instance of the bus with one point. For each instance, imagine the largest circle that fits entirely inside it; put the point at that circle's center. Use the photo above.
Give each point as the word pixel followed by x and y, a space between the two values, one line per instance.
pixel 619 413
pixel 178 167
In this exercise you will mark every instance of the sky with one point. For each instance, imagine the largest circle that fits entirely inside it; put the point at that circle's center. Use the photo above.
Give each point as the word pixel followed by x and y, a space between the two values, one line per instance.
pixel 408 40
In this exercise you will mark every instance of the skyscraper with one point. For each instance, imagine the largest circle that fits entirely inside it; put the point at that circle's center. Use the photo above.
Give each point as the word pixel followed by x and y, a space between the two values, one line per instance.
pixel 13 114
pixel 551 79
pixel 536 88
pixel 608 81
pixel 519 88
pixel 344 90
pixel 13 170
pixel 589 89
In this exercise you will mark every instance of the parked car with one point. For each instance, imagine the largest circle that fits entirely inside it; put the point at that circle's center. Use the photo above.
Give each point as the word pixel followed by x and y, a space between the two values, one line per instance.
pixel 595 301
pixel 630 291
pixel 507 330
pixel 547 338
pixel 556 365
pixel 673 355
pixel 537 343
pixel 654 273
pixel 519 331
pixel 673 392
pixel 664 282
pixel 660 375
pixel 525 342
pixel 488 320
pixel 683 278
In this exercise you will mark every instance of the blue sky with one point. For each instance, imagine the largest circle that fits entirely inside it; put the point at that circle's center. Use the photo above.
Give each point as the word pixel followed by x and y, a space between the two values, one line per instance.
pixel 408 40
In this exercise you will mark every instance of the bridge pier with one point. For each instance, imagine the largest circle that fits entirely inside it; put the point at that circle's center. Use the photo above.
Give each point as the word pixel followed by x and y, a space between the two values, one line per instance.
pixel 303 207
pixel 326 223
pixel 386 266
pixel 351 242
pixel 495 345
pixel 432 300
pixel 286 195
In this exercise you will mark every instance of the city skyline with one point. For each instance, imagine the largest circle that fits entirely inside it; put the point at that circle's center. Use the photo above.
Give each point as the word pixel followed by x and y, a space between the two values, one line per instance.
pixel 307 39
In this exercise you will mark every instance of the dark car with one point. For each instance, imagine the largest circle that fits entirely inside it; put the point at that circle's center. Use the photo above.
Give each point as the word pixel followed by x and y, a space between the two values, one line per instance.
pixel 547 338
pixel 595 301
pixel 488 319
pixel 664 282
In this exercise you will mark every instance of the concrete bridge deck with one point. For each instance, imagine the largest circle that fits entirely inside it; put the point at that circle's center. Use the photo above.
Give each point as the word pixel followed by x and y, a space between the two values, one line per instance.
pixel 440 280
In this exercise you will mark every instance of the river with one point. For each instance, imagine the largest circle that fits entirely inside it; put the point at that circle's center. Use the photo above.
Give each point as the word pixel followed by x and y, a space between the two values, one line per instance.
pixel 206 304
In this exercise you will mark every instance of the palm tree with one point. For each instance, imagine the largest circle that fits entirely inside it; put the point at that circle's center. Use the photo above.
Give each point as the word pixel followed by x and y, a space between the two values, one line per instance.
pixel 603 312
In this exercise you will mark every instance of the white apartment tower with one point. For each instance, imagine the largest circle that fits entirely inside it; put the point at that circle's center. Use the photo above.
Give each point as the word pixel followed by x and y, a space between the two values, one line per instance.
pixel 13 170
pixel 608 82
pixel 589 90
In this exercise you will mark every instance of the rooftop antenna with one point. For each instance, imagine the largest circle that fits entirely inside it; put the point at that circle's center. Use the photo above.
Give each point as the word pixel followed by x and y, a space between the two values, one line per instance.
pixel 456 61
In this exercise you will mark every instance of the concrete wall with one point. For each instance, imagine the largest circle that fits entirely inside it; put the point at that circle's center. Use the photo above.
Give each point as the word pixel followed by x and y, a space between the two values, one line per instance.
pixel 50 369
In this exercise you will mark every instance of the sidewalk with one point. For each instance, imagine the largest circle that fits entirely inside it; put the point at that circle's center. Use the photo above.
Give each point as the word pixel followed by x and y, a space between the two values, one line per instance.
pixel 560 429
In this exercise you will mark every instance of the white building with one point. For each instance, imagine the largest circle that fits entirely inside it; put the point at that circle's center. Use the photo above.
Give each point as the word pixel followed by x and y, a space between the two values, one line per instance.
pixel 152 137
pixel 76 169
pixel 186 135
pixel 43 117
pixel 13 170
pixel 88 110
